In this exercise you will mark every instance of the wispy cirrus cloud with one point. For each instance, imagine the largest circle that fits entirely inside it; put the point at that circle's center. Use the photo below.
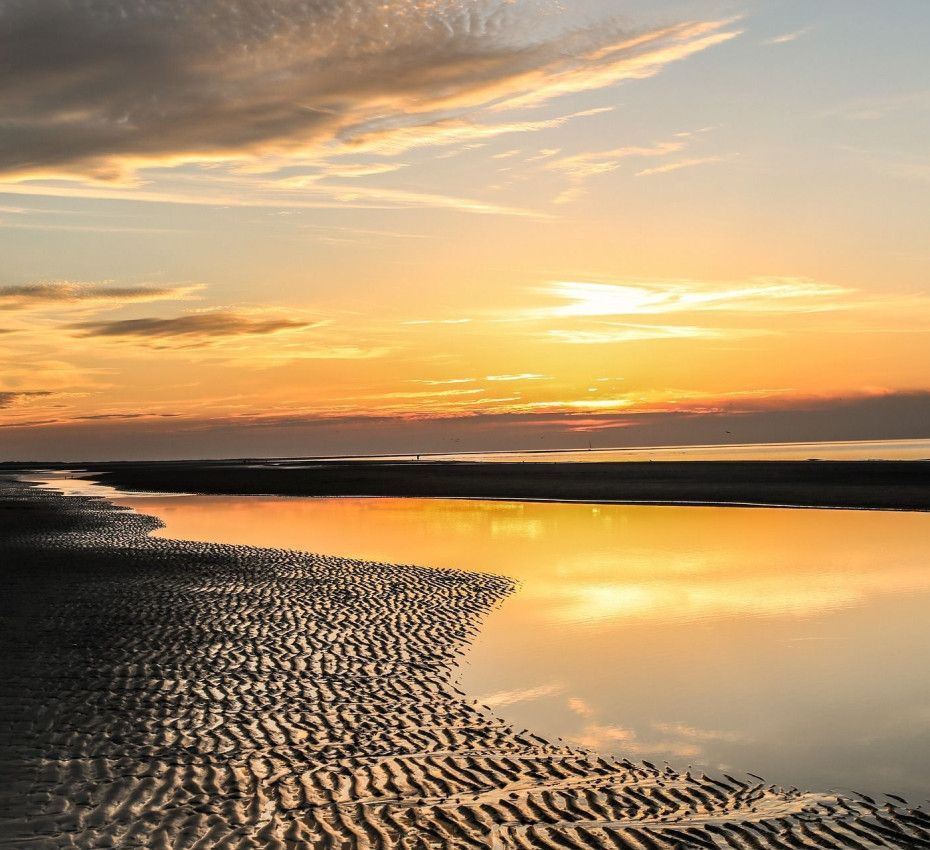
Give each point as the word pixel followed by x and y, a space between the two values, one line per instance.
pixel 578 168
pixel 788 37
pixel 612 332
pixel 599 313
pixel 457 321
pixel 355 169
pixel 448 131
pixel 761 295
pixel 879 107
pixel 591 163
pixel 679 164
pixel 296 353
pixel 306 192
pixel 439 382
pixel 284 78
pixel 581 167
pixel 521 376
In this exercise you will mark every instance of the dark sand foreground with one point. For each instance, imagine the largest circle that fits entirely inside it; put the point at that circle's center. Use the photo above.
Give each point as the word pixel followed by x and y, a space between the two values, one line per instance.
pixel 884 485
pixel 167 694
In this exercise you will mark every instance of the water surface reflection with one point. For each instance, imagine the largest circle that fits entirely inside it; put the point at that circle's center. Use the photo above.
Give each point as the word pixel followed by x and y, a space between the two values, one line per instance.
pixel 793 643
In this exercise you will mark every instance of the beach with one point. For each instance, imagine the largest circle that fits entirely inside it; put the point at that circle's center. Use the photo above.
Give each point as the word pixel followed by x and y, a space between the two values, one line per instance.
pixel 460 424
pixel 162 693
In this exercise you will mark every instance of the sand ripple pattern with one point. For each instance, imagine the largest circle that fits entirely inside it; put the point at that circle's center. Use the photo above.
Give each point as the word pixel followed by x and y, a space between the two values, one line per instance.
pixel 167 694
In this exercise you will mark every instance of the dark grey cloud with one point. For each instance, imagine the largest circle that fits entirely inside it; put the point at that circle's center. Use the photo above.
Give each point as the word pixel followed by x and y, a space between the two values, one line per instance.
pixel 96 86
pixel 190 329
pixel 10 397
pixel 66 292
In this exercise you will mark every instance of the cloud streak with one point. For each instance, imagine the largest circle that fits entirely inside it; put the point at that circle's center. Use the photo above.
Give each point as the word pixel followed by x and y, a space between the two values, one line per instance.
pixel 192 329
pixel 788 37
pixel 306 192
pixel 678 165
pixel 614 332
pixel 63 293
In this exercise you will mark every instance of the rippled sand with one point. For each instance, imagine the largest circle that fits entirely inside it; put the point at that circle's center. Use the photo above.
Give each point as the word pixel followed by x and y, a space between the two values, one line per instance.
pixel 169 694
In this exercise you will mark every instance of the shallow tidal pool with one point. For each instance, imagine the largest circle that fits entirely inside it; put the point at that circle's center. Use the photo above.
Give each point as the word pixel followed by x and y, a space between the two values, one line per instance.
pixel 791 643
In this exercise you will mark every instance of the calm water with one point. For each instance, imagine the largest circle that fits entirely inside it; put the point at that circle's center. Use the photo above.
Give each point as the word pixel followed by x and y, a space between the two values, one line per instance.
pixel 843 450
pixel 792 643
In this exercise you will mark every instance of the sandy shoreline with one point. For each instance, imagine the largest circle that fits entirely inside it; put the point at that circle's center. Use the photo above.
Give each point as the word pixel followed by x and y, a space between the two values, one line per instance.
pixel 876 485
pixel 160 693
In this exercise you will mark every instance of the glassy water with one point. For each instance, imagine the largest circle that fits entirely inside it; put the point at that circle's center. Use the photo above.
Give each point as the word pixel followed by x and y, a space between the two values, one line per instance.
pixel 791 643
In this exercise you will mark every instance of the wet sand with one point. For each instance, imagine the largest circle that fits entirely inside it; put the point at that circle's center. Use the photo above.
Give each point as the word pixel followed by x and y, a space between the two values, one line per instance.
pixel 882 485
pixel 169 694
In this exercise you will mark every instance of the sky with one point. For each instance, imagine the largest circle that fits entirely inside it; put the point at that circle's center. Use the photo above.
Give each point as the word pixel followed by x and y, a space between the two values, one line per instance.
pixel 296 227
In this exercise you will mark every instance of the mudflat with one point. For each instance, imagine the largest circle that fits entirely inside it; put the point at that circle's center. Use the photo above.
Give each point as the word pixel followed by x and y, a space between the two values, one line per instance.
pixel 882 485
pixel 173 694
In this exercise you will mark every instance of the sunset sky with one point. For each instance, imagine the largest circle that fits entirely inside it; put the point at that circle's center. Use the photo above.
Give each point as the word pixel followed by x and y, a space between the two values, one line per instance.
pixel 335 226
